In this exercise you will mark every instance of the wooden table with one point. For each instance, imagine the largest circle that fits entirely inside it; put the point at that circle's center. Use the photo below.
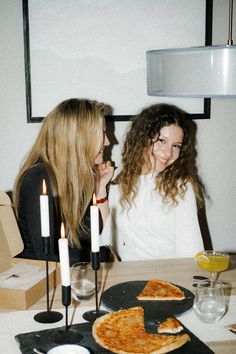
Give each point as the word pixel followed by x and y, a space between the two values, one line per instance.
pixel 178 271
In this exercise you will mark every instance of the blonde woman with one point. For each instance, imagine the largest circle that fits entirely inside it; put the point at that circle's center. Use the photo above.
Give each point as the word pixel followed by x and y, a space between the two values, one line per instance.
pixel 154 197
pixel 68 155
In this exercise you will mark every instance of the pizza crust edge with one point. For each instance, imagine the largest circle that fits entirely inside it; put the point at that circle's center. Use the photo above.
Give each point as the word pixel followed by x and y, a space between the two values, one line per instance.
pixel 170 325
pixel 177 342
pixel 180 296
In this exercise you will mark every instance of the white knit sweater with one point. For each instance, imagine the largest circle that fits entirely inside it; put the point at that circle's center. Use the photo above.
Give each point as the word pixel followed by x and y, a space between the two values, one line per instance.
pixel 152 229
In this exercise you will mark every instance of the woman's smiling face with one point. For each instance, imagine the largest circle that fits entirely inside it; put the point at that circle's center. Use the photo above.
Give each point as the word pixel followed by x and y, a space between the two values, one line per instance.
pixel 165 149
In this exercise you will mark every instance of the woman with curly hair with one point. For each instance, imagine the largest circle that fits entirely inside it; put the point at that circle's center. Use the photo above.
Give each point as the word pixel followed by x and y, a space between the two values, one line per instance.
pixel 68 155
pixel 153 198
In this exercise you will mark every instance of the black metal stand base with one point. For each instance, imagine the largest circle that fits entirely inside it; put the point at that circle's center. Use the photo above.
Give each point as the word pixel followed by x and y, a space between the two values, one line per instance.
pixel 48 317
pixel 91 316
pixel 66 336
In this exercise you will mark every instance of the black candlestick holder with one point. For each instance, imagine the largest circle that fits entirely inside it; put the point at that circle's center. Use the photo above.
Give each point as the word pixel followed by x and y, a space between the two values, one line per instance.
pixel 66 335
pixel 47 316
pixel 91 316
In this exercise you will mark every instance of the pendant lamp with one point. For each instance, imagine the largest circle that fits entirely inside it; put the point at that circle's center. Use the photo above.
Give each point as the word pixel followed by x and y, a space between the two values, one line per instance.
pixel 208 71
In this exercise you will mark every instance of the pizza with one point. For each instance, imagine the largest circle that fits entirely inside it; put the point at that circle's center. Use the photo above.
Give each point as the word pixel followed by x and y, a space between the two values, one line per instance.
pixel 171 325
pixel 123 332
pixel 160 290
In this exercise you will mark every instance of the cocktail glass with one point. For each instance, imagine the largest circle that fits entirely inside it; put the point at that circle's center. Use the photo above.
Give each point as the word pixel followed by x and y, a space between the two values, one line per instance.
pixel 213 262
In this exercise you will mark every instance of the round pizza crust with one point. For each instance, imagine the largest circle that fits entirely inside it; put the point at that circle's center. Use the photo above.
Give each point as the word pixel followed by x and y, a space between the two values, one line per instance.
pixel 123 332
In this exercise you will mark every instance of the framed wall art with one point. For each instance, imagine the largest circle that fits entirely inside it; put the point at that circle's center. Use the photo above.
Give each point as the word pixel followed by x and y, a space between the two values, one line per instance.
pixel 97 49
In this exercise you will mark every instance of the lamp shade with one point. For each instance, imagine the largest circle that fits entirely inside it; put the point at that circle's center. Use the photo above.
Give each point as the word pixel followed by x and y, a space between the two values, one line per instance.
pixel 194 72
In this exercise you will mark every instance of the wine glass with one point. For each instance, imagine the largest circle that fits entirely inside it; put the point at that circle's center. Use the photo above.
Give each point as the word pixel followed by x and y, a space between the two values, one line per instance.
pixel 213 262
pixel 209 301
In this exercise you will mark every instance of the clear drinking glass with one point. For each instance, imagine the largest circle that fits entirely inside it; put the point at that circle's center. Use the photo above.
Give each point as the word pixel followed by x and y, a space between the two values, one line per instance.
pixel 209 301
pixel 82 281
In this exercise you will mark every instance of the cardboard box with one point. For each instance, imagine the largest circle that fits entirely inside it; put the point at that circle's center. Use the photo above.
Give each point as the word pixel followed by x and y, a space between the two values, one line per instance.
pixel 22 291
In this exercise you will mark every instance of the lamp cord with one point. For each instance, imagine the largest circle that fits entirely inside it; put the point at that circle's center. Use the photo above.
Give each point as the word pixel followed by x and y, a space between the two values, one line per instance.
pixel 230 40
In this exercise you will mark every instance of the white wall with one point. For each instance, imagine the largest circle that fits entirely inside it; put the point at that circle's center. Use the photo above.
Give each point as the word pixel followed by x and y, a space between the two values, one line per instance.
pixel 216 141
pixel 16 136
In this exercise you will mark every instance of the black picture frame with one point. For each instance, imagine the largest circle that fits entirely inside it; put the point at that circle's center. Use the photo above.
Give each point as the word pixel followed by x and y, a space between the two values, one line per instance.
pixel 206 101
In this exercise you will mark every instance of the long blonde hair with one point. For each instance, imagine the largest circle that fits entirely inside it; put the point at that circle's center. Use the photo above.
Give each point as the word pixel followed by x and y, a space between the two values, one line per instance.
pixel 70 138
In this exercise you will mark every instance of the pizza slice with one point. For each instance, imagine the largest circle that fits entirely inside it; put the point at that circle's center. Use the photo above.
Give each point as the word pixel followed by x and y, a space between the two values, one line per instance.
pixel 160 290
pixel 171 325
pixel 123 332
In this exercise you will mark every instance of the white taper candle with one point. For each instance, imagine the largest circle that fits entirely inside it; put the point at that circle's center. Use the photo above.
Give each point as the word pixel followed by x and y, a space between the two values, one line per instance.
pixel 44 212
pixel 94 224
pixel 64 258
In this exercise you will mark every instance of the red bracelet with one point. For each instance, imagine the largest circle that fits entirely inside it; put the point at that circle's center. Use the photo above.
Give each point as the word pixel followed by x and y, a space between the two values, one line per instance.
pixel 100 201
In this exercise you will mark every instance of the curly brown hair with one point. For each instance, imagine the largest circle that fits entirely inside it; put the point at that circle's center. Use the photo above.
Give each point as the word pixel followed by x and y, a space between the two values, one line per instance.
pixel 172 182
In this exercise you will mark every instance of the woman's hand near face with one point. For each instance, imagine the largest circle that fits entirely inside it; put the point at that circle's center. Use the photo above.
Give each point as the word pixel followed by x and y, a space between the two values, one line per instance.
pixel 105 173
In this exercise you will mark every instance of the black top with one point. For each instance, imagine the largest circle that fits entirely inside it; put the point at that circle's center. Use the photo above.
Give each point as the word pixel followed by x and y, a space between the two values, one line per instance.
pixel 30 225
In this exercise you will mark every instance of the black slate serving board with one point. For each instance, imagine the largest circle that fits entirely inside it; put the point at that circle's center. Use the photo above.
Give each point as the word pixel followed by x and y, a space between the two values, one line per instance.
pixel 45 340
pixel 124 295
pixel 120 296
